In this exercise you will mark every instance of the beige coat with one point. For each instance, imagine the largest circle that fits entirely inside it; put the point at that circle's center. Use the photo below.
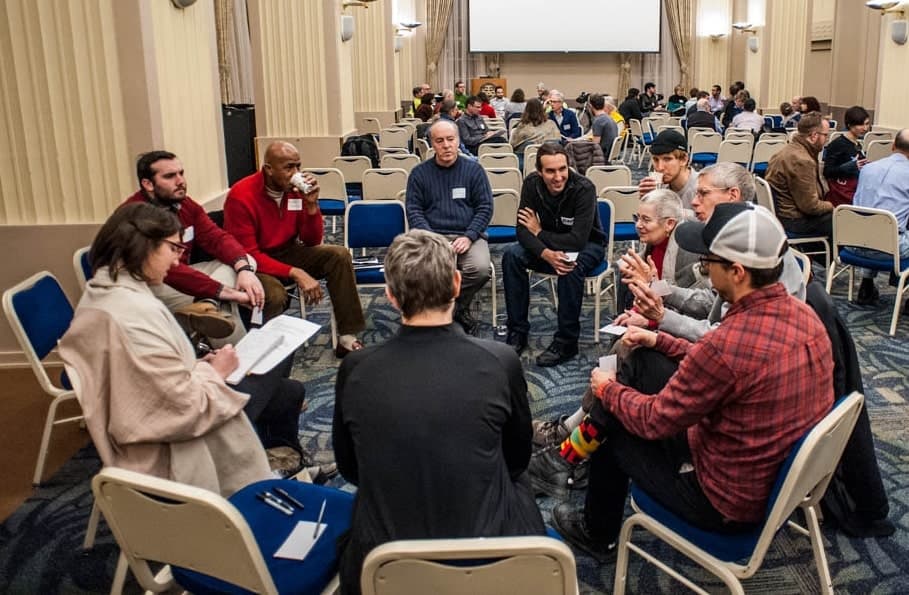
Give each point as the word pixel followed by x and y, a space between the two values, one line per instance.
pixel 149 405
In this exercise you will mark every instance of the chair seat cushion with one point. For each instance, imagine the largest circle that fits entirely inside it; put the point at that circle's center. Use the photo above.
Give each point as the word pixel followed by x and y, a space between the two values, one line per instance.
pixel 760 168
pixel 704 158
pixel 501 234
pixel 881 263
pixel 332 206
pixel 270 528
pixel 728 548
pixel 624 232
pixel 370 276
pixel 599 270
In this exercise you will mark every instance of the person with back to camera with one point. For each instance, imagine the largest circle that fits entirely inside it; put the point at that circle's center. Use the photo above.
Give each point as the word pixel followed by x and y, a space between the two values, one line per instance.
pixel 444 455
pixel 533 129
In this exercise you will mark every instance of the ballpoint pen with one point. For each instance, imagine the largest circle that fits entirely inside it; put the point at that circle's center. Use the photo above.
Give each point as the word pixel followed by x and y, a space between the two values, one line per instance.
pixel 284 505
pixel 315 533
pixel 284 495
pixel 271 503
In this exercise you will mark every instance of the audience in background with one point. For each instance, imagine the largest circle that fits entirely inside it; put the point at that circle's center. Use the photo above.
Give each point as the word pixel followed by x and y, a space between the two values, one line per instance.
pixel 844 158
pixel 566 120
pixel 717 101
pixel 486 109
pixel 603 129
pixel 473 129
pixel 451 196
pixel 533 129
pixel 748 118
pixel 616 115
pixel 675 105
pixel 884 184
pixel 426 109
pixel 703 117
pixel 693 107
pixel 669 156
pixel 515 106
pixel 277 220
pixel 790 115
pixel 436 448
pixel 460 94
pixel 734 107
pixel 692 99
pixel 499 102
pixel 631 107
pixel 809 104
pixel 649 100
pixel 794 175
pixel 446 95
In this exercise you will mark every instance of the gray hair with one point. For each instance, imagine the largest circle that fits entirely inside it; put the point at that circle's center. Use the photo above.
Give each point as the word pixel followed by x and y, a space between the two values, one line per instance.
pixel 556 94
pixel 703 105
pixel 666 203
pixel 419 271
pixel 731 175
pixel 442 122
pixel 609 100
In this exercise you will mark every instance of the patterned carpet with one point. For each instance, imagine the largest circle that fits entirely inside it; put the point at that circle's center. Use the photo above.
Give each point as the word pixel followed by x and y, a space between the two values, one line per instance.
pixel 40 544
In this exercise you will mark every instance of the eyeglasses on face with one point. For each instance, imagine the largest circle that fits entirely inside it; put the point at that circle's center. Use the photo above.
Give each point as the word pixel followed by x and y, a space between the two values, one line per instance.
pixel 178 248
pixel 645 219
pixel 704 263
pixel 702 192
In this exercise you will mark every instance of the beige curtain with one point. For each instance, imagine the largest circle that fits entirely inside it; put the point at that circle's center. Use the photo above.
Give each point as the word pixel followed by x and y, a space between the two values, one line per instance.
pixel 438 15
pixel 624 77
pixel 678 13
pixel 234 51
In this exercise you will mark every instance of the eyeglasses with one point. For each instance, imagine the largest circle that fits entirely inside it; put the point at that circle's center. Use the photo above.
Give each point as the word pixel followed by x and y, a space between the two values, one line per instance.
pixel 702 192
pixel 704 262
pixel 178 248
pixel 646 220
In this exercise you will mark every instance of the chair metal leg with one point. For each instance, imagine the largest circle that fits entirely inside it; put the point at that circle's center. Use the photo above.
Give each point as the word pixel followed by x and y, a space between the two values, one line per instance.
pixel 91 530
pixel 621 564
pixel 49 424
pixel 817 545
pixel 116 587
pixel 494 289
pixel 897 304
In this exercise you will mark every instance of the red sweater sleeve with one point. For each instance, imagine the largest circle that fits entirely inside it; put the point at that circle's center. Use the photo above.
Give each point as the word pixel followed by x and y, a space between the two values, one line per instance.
pixel 212 238
pixel 240 220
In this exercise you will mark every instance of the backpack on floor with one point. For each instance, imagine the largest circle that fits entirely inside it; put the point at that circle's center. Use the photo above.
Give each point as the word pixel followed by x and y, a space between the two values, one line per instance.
pixel 363 144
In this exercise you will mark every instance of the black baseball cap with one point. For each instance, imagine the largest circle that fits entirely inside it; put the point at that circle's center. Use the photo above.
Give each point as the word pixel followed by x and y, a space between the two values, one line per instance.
pixel 667 142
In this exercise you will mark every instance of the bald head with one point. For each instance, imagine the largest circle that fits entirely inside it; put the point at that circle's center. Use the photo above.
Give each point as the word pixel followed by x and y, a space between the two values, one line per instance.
pixel 901 141
pixel 703 105
pixel 444 138
pixel 282 161
pixel 442 127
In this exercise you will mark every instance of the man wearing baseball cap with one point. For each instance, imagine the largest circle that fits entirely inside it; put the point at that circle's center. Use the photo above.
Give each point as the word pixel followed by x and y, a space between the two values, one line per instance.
pixel 669 155
pixel 708 446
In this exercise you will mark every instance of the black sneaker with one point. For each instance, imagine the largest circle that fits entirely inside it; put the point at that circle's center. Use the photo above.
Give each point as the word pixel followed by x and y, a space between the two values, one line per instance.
pixel 470 324
pixel 517 340
pixel 568 520
pixel 868 294
pixel 550 432
pixel 551 475
pixel 556 354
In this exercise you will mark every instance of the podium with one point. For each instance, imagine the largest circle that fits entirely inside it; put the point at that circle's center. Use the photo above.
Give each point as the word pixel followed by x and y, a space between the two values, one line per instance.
pixel 480 84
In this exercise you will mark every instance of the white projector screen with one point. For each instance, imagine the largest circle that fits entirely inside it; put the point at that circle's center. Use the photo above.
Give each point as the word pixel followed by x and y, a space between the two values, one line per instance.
pixel 564 25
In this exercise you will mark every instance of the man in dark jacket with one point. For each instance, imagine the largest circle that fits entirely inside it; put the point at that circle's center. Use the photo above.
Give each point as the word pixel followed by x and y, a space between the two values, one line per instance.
pixel 559 233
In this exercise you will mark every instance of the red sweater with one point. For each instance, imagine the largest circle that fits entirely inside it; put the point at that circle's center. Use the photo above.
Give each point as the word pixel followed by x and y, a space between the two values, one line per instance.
pixel 210 237
pixel 262 226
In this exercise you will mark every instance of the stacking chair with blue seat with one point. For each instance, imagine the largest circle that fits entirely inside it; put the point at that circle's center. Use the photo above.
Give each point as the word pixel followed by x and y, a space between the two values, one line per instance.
pixel 39 314
pixel 625 201
pixel 736 150
pixel 371 224
pixel 604 176
pixel 877 149
pixel 214 545
pixel 498 160
pixel 801 483
pixel 527 564
pixel 384 183
pixel 872 229
pixel 81 265
pixel 405 161
pixel 352 168
pixel 764 149
pixel 332 192
pixel 502 229
pixel 704 147
pixel 640 139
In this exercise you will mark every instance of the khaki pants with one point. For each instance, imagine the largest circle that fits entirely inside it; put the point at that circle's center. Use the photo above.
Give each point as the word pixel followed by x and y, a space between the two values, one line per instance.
pixel 332 263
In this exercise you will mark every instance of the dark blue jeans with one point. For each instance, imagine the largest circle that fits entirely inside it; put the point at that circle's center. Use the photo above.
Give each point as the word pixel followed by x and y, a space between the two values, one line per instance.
pixel 515 262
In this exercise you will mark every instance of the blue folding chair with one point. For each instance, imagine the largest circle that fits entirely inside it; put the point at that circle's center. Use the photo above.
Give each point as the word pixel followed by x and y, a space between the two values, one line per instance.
pixel 82 266
pixel 371 224
pixel 625 201
pixel 801 483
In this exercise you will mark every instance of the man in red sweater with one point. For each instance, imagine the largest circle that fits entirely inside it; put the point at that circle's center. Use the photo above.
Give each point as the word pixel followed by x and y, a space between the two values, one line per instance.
pixel 194 292
pixel 282 228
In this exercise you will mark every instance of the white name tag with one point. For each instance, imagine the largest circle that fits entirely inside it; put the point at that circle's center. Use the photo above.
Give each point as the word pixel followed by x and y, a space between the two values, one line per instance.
pixel 567 220
pixel 459 193
pixel 294 204
pixel 188 234
pixel 566 126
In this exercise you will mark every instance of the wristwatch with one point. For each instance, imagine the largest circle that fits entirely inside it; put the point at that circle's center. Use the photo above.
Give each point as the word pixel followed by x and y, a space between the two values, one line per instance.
pixel 246 267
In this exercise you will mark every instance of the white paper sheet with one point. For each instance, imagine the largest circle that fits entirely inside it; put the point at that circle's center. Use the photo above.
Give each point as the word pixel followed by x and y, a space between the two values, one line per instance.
pixel 300 541
pixel 614 329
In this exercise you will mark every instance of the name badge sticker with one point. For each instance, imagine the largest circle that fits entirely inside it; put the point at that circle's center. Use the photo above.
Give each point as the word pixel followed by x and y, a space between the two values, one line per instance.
pixel 567 220
pixel 188 234
pixel 566 126
pixel 294 204
pixel 458 193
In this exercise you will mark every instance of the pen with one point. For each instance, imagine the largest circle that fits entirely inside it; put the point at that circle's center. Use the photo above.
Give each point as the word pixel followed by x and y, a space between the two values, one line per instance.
pixel 289 498
pixel 277 507
pixel 284 505
pixel 319 521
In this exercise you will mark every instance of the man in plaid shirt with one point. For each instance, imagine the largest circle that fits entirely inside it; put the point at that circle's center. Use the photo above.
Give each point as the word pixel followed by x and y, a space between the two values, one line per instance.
pixel 709 445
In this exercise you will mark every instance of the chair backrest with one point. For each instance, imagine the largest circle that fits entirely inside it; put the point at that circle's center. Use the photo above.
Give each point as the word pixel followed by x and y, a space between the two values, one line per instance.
pixel 735 151
pixel 878 149
pixel 157 520
pixel 783 136
pixel 394 137
pixel 408 126
pixel 764 149
pixel 383 183
pixel 833 136
pixel 804 264
pixel 504 178
pixel 605 210
pixel 697 130
pixel 352 166
pixel 498 160
pixel 530 159
pixel 421 147
pixel 739 134
pixel 664 127
pixel 864 227
pixel 625 201
pixel 637 130
pixel 704 142
pixel 331 182
pixel 531 564
pixel 373 223
pixel 39 313
pixel 615 152
pixel 806 472
pixel 405 161
pixel 82 266
pixel 876 135
pixel 763 194
pixel 370 126
pixel 494 148
pixel 505 207
pixel 604 176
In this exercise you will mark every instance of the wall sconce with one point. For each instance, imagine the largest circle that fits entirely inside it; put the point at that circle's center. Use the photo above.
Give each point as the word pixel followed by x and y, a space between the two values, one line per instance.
pixel 886 6
pixel 743 27
pixel 717 36
pixel 754 44
pixel 347 27
pixel 899 29
pixel 360 3
pixel 406 29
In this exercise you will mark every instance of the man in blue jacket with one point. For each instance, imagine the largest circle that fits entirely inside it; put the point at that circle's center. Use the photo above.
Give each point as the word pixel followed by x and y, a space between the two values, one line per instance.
pixel 565 119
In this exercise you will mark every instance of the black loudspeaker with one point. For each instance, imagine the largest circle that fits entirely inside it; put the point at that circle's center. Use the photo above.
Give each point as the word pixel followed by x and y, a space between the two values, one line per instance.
pixel 239 140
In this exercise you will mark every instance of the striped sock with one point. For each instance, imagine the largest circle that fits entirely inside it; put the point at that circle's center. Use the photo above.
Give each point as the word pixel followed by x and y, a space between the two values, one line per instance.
pixel 582 442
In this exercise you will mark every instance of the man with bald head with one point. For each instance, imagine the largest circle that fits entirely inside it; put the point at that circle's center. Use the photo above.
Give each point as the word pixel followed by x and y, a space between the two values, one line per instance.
pixel 281 226
pixel 451 196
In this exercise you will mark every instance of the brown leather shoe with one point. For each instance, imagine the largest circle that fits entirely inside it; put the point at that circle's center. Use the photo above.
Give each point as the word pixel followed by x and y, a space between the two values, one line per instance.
pixel 206 319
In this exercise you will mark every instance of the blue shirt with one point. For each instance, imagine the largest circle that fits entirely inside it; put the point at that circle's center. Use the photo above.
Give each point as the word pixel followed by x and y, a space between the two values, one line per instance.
pixel 454 200
pixel 569 126
pixel 884 184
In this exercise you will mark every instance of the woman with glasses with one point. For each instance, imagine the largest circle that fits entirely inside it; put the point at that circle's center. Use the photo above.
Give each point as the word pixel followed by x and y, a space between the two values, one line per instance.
pixel 844 157
pixel 659 212
pixel 149 404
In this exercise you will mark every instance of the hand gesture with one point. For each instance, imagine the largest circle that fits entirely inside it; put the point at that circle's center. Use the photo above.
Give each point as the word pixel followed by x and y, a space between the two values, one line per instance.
pixel 629 319
pixel 558 260
pixel 310 290
pixel 638 337
pixel 646 302
pixel 223 360
pixel 528 218
pixel 249 284
pixel 461 244
pixel 633 267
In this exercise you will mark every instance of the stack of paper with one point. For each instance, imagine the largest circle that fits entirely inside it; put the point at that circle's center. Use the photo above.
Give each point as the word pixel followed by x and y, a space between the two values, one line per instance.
pixel 264 348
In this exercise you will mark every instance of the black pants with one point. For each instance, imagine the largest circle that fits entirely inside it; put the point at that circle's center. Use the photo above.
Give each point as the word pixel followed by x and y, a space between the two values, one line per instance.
pixel 274 405
pixel 662 468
